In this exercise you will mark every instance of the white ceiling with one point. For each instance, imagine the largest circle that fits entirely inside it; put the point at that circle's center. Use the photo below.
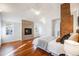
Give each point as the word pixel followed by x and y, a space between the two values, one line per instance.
pixel 25 10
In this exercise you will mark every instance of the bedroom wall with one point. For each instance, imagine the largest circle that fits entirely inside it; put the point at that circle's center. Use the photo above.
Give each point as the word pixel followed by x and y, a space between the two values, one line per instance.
pixel 15 32
pixel 16 26
pixel 44 27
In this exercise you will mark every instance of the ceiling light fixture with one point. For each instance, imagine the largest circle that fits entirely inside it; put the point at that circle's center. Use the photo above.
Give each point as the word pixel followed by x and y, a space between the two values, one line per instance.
pixel 35 11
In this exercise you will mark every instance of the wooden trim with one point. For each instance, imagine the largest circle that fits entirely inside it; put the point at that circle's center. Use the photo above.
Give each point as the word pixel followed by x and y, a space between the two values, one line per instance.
pixel 11 42
pixel 15 41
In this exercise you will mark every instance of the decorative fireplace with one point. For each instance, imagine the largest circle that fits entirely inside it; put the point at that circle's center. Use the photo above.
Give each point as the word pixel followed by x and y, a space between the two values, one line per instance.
pixel 27 31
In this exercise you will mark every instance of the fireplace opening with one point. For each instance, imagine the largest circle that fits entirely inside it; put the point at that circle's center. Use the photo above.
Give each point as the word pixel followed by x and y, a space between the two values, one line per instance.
pixel 28 31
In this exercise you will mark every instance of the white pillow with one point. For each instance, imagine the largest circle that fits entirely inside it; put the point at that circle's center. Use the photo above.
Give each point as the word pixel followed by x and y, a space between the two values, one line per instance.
pixel 71 42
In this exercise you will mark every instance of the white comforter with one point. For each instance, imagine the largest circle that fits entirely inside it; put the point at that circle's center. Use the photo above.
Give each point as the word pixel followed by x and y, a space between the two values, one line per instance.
pixel 49 44
pixel 55 48
pixel 42 42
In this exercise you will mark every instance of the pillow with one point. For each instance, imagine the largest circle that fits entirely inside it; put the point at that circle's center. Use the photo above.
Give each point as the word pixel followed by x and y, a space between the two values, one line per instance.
pixel 58 39
pixel 71 42
pixel 65 37
pixel 74 37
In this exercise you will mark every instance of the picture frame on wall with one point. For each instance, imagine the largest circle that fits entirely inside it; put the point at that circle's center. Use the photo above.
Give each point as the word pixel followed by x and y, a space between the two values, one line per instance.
pixel 9 29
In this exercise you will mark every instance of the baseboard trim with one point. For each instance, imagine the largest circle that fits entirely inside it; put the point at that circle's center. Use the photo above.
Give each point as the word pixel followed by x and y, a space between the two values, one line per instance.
pixel 14 41
pixel 11 42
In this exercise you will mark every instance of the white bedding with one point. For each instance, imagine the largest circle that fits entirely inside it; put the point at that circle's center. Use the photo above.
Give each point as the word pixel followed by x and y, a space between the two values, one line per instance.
pixel 55 47
pixel 49 44
pixel 71 48
pixel 42 42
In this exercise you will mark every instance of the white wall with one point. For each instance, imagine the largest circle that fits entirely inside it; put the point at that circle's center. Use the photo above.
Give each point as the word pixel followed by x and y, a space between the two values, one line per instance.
pixel 48 28
pixel 17 33
pixel 43 28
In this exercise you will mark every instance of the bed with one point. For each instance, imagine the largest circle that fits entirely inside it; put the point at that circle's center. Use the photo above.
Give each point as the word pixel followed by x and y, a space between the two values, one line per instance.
pixel 42 42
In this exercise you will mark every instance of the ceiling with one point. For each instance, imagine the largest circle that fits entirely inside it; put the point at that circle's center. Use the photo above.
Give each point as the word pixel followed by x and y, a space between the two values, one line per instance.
pixel 31 10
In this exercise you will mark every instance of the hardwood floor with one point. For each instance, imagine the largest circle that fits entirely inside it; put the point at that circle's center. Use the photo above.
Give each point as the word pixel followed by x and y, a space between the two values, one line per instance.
pixel 21 48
